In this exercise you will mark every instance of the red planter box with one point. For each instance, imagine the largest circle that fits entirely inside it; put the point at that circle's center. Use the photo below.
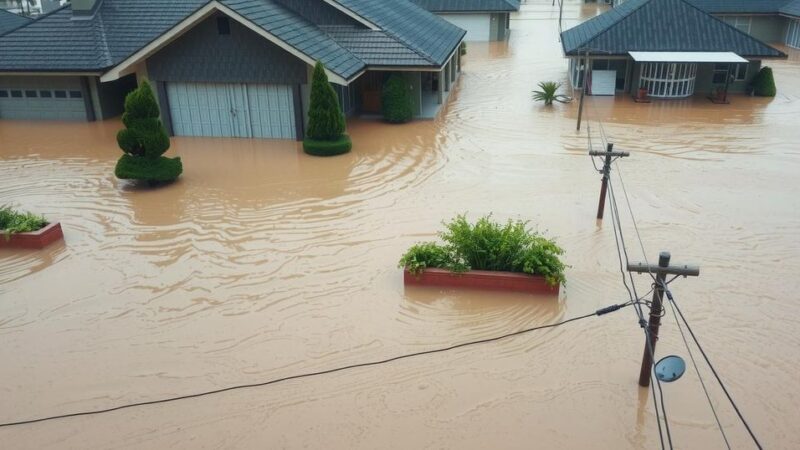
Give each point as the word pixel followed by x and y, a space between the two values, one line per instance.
pixel 482 279
pixel 35 239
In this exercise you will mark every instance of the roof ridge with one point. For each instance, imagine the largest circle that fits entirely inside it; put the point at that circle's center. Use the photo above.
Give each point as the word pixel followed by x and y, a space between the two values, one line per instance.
pixel 100 30
pixel 622 16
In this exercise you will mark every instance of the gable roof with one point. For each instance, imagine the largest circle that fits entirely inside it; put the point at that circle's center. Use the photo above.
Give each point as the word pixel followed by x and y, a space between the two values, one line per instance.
pixel 788 7
pixel 660 25
pixel 468 5
pixel 427 34
pixel 122 29
pixel 10 21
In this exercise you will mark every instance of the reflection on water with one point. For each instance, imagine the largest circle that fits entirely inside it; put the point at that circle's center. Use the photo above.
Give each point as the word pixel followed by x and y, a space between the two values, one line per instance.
pixel 263 262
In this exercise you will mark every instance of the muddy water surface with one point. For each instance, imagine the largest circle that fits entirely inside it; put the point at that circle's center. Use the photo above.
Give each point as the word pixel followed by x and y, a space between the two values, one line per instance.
pixel 262 262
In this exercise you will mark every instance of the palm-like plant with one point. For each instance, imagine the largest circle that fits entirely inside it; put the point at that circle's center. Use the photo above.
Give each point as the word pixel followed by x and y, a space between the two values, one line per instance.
pixel 549 93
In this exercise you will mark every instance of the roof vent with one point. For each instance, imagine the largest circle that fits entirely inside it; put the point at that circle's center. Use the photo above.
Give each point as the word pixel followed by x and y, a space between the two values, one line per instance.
pixel 85 9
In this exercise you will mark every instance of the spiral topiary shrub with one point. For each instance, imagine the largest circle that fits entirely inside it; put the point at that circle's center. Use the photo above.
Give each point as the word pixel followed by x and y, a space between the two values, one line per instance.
pixel 764 83
pixel 396 103
pixel 144 140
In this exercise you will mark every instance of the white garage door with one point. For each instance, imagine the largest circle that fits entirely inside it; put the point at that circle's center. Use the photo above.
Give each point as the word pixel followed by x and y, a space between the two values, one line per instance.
pixel 40 99
pixel 232 110
pixel 604 82
pixel 478 26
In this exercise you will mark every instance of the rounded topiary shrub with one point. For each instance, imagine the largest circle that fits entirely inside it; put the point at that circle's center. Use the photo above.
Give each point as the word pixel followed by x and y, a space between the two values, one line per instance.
pixel 396 103
pixel 325 133
pixel 144 140
pixel 328 148
pixel 764 83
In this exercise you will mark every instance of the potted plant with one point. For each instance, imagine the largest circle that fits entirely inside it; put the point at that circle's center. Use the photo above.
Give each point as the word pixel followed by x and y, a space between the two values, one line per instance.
pixel 27 230
pixel 487 255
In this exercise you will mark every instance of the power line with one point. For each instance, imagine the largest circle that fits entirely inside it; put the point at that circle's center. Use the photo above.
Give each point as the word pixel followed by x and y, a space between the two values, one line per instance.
pixel 713 370
pixel 599 312
pixel 699 376
pixel 642 323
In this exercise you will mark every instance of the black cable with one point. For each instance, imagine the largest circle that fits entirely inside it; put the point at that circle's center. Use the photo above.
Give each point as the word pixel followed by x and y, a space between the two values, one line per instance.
pixel 599 312
pixel 713 370
pixel 699 376
pixel 642 323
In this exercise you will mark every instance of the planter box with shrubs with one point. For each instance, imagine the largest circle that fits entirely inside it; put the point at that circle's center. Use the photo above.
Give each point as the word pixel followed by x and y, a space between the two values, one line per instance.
pixel 26 230
pixel 487 255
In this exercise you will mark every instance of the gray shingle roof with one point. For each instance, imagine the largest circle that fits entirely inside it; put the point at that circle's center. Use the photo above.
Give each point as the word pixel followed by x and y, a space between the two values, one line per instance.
pixel 660 25
pixel 56 42
pixel 468 5
pixel 434 38
pixel 744 6
pixel 791 8
pixel 375 47
pixel 10 21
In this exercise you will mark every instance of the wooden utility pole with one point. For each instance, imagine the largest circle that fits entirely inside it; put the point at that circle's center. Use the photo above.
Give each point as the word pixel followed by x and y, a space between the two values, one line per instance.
pixel 583 87
pixel 661 271
pixel 609 153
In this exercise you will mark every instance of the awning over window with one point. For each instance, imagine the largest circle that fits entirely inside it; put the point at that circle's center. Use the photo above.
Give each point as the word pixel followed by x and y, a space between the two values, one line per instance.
pixel 687 57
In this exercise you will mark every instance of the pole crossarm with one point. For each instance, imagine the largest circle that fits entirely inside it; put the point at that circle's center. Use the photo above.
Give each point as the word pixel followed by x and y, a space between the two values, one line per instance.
pixel 683 270
pixel 602 153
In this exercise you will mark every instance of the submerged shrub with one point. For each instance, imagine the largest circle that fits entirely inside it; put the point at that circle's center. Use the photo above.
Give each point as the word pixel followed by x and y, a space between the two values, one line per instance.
pixel 396 103
pixel 328 148
pixel 325 118
pixel 12 222
pixel 488 245
pixel 548 93
pixel 764 83
pixel 144 140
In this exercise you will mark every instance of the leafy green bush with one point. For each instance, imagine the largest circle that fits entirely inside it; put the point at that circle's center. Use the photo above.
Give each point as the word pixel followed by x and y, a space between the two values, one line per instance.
pixel 548 93
pixel 328 148
pixel 488 245
pixel 12 222
pixel 325 119
pixel 764 83
pixel 152 170
pixel 144 140
pixel 396 103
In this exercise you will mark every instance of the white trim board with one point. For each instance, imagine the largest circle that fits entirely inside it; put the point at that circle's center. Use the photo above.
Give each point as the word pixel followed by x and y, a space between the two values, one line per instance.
pixel 687 57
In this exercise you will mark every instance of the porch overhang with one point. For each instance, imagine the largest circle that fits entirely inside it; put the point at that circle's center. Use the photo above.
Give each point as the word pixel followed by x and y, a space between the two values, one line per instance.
pixel 688 57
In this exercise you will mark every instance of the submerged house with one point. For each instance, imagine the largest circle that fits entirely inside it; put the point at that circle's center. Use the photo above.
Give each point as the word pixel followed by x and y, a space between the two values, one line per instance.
pixel 767 20
pixel 671 48
pixel 228 68
pixel 484 20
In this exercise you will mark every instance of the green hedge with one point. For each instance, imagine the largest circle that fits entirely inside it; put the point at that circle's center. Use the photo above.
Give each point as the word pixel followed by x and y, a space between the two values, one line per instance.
pixel 764 83
pixel 488 245
pixel 152 170
pixel 328 148
pixel 396 103
pixel 19 222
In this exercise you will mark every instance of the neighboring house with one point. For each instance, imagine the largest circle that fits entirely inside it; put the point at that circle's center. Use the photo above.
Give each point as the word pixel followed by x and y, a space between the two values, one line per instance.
pixel 230 68
pixel 669 47
pixel 31 7
pixel 10 21
pixel 484 20
pixel 767 20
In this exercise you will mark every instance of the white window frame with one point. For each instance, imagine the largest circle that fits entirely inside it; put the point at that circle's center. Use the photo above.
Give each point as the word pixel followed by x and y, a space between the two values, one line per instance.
pixel 793 34
pixel 668 80
pixel 743 23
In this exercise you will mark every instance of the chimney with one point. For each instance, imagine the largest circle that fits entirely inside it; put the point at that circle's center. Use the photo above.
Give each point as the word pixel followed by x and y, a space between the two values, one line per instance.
pixel 85 9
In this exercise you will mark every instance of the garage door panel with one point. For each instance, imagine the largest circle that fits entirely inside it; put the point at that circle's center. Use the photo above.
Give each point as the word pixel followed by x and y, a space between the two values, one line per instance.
pixel 31 99
pixel 478 26
pixel 232 110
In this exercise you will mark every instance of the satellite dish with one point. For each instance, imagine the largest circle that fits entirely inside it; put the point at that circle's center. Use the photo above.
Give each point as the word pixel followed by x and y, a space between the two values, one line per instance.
pixel 670 368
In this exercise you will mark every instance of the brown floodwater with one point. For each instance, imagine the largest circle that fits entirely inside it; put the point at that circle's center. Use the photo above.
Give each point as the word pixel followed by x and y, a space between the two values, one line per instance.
pixel 262 262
